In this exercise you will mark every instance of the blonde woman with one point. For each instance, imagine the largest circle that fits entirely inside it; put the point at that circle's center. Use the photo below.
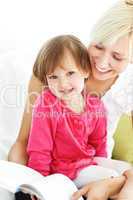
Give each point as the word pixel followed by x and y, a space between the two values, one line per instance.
pixel 111 52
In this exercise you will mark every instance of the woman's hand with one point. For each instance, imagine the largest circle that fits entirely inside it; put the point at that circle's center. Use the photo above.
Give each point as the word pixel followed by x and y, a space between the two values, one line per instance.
pixel 101 190
pixel 93 191
pixel 129 173
pixel 127 190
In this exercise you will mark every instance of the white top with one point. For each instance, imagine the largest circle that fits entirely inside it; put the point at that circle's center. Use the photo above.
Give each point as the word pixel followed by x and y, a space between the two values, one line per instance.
pixel 118 100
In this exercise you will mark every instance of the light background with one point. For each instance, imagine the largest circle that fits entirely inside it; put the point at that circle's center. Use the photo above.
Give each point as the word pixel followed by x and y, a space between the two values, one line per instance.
pixel 26 24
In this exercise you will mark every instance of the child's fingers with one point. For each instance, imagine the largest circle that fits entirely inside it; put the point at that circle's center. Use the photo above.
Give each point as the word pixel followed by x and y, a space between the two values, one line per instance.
pixel 80 193
pixel 34 198
pixel 76 195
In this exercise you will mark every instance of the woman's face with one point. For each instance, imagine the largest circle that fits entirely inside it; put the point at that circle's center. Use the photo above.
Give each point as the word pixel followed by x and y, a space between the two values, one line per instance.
pixel 109 61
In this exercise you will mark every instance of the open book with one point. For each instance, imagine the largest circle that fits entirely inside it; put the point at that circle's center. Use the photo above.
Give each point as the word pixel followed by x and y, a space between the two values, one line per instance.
pixel 15 177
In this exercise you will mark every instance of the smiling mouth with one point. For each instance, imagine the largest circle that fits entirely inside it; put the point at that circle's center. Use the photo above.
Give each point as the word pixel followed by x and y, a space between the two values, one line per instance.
pixel 66 91
pixel 102 70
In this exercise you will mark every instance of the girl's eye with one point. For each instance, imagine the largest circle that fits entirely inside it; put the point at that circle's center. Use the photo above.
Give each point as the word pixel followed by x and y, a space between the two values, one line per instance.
pixel 70 73
pixel 53 77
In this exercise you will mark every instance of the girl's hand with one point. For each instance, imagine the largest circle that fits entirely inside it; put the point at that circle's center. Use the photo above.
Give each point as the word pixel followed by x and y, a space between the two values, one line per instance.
pixel 34 197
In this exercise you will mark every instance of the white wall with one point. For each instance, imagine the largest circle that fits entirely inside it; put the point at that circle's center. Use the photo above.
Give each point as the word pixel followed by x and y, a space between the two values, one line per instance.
pixel 28 23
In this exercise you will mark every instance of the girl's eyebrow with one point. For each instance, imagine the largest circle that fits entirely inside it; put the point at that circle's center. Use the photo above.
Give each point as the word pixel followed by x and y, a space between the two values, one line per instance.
pixel 51 75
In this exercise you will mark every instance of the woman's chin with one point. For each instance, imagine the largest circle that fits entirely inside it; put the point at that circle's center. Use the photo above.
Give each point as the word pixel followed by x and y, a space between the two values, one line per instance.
pixel 103 76
pixel 100 77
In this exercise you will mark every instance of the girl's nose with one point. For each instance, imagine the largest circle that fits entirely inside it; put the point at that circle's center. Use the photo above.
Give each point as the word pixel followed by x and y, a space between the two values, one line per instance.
pixel 63 83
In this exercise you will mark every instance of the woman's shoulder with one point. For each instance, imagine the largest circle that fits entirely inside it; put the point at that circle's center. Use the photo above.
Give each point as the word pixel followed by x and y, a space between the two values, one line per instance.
pixel 124 80
pixel 121 92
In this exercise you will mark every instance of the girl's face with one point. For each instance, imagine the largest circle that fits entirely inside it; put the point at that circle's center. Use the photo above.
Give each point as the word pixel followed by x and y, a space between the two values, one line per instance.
pixel 109 61
pixel 66 80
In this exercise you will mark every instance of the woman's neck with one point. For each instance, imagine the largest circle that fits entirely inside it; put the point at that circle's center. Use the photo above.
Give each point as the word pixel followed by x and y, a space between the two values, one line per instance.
pixel 98 87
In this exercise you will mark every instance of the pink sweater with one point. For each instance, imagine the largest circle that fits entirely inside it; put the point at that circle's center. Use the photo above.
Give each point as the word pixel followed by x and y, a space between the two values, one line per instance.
pixel 62 141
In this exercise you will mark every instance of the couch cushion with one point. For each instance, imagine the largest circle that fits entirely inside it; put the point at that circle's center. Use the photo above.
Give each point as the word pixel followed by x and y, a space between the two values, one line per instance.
pixel 123 149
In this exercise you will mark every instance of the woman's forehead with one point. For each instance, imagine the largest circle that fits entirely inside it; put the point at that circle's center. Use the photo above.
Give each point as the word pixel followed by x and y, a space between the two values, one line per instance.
pixel 121 45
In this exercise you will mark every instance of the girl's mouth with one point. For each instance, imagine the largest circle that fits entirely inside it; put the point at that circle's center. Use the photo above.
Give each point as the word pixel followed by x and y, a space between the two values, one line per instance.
pixel 67 91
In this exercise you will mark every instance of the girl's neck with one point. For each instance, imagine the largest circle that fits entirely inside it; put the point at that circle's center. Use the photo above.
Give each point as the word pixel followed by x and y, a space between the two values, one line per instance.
pixel 98 87
pixel 76 103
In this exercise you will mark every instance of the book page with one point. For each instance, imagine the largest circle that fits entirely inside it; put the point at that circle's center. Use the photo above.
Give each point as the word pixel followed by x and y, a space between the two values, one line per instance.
pixel 56 186
pixel 13 175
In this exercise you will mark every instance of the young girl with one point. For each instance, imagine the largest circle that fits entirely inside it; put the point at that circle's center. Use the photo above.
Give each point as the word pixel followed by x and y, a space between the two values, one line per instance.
pixel 68 126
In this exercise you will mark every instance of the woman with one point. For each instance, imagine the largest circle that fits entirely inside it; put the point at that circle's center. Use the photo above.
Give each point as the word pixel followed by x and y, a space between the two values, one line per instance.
pixel 111 51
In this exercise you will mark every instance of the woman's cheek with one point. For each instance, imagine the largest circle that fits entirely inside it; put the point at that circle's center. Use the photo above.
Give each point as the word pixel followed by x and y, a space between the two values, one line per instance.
pixel 120 67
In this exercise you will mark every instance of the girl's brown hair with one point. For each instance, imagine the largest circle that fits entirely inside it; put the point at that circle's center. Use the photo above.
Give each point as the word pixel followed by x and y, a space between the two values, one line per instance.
pixel 52 53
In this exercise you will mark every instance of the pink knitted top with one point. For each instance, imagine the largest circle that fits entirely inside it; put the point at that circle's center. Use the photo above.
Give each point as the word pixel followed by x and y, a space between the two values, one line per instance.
pixel 62 141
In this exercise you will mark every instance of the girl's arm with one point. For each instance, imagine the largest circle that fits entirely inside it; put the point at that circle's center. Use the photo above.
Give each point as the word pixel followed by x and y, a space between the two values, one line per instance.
pixel 40 142
pixel 17 152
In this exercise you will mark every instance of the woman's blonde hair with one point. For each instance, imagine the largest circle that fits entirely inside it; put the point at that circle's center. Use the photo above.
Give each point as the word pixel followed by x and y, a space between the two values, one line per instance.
pixel 116 22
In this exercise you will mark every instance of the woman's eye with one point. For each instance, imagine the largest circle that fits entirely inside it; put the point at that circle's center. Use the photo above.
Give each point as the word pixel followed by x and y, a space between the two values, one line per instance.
pixel 70 73
pixel 117 58
pixel 53 77
pixel 99 47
